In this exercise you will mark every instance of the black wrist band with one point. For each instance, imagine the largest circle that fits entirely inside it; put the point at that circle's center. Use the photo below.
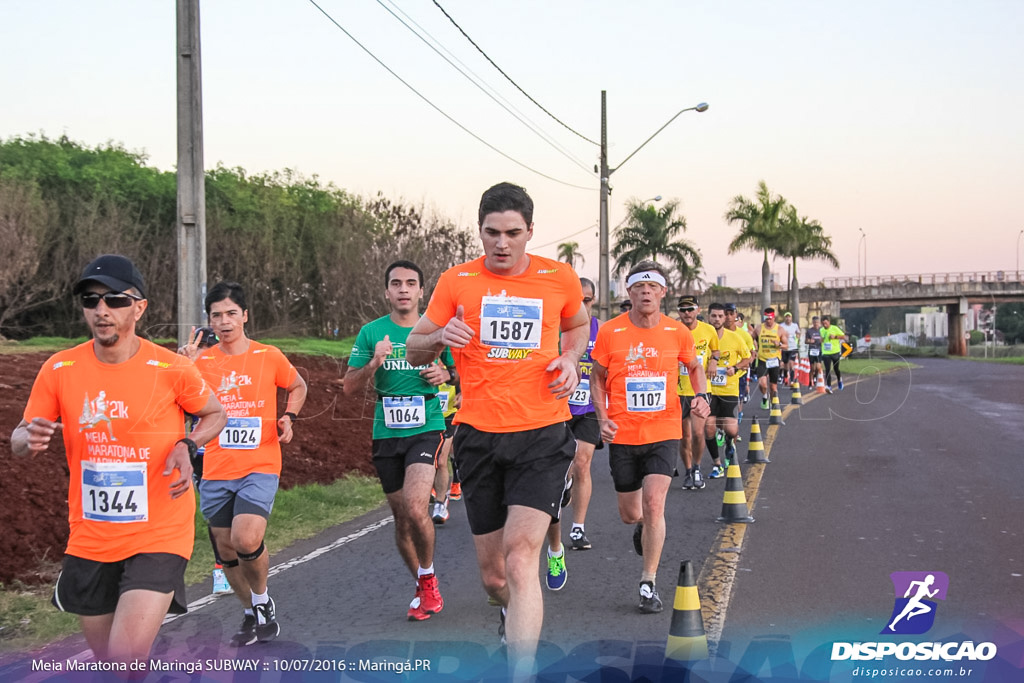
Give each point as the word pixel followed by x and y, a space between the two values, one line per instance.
pixel 190 445
pixel 292 416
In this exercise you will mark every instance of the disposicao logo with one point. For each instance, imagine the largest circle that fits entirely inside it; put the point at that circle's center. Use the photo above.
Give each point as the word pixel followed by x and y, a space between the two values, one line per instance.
pixel 914 609
pixel 913 613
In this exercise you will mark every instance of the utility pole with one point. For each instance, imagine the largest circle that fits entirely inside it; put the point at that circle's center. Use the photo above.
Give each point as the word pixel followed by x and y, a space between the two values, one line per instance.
pixel 191 222
pixel 604 281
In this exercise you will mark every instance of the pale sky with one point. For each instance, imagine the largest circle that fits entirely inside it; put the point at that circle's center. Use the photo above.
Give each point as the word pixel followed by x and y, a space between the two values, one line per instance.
pixel 898 118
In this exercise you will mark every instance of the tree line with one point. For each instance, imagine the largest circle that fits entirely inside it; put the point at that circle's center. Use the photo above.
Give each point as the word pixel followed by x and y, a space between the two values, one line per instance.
pixel 767 223
pixel 310 255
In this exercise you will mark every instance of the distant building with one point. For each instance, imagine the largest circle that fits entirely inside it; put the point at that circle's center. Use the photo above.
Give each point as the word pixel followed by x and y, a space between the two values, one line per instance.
pixel 931 322
pixel 720 281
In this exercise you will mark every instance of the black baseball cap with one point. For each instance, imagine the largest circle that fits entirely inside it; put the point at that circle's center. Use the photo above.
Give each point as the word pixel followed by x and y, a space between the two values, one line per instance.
pixel 730 307
pixel 686 301
pixel 114 271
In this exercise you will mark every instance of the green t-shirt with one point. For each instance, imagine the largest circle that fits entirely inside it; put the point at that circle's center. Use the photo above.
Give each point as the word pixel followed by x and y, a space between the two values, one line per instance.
pixel 830 345
pixel 407 404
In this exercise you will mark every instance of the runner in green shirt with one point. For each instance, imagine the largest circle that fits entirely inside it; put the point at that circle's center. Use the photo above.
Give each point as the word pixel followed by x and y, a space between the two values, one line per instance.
pixel 408 425
pixel 831 351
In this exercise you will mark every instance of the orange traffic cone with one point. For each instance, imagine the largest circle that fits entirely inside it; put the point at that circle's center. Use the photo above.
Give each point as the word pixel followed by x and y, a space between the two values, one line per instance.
pixel 755 448
pixel 819 388
pixel 734 501
pixel 687 640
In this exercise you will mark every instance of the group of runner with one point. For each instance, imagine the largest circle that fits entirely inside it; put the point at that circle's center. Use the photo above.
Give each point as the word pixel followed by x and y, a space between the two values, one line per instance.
pixel 507 341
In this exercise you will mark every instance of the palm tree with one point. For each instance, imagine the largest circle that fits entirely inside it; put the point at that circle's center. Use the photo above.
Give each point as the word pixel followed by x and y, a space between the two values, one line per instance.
pixel 650 232
pixel 803 238
pixel 759 231
pixel 569 252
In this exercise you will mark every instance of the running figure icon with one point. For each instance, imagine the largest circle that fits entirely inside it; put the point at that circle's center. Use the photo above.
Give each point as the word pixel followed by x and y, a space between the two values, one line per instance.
pixel 915 607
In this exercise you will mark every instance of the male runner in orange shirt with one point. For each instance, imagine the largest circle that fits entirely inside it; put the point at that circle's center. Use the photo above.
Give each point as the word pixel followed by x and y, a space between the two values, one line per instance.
pixel 637 357
pixel 121 402
pixel 501 315
pixel 242 468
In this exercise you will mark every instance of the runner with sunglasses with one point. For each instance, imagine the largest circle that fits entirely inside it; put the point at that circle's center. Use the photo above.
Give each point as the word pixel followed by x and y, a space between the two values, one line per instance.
pixel 691 448
pixel 119 402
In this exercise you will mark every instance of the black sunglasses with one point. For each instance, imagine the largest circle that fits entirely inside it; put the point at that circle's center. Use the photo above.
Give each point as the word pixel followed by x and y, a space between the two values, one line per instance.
pixel 688 309
pixel 112 299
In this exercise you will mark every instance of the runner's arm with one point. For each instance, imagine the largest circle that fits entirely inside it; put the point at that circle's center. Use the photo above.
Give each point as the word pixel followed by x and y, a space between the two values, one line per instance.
pixel 575 336
pixel 33 437
pixel 427 339
pixel 599 397
pixel 296 399
pixel 356 379
pixel 212 419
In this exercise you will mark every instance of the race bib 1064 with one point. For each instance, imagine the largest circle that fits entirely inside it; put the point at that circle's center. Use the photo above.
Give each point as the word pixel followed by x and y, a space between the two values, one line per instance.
pixel 645 394
pixel 242 433
pixel 404 412
pixel 114 491
pixel 511 322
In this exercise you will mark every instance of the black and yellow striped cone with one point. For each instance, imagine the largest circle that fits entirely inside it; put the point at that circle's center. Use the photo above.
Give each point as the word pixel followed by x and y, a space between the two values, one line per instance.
pixel 796 398
pixel 687 641
pixel 755 446
pixel 775 416
pixel 734 502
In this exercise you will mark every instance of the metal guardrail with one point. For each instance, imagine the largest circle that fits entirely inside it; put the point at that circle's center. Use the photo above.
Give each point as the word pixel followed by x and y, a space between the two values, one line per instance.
pixel 923 279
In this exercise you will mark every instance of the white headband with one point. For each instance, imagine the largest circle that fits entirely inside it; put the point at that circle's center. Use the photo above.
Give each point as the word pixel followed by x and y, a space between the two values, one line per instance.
pixel 645 276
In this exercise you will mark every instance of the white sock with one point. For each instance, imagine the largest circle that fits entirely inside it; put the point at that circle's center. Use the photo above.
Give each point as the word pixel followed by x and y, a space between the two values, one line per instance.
pixel 577 526
pixel 260 599
pixel 552 553
pixel 423 572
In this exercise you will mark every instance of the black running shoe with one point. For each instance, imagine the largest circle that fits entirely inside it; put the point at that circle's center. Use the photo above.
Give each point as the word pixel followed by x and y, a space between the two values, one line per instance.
pixel 267 627
pixel 246 632
pixel 650 603
pixel 567 493
pixel 578 540
pixel 638 538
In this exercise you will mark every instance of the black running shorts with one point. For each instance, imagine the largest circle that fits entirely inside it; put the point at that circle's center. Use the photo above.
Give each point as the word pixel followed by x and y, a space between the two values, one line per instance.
pixel 586 428
pixel 793 355
pixel 762 370
pixel 525 468
pixel 89 588
pixel 725 406
pixel 630 464
pixel 392 456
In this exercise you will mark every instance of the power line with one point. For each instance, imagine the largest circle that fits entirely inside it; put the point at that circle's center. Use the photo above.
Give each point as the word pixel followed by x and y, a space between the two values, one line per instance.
pixel 470 78
pixel 509 78
pixel 589 227
pixel 437 108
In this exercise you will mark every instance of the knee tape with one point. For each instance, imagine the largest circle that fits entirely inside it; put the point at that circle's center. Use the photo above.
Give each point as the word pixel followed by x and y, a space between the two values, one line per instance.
pixel 249 557
pixel 228 564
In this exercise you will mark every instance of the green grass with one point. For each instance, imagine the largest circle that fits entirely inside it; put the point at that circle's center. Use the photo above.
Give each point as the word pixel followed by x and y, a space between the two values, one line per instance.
pixel 871 366
pixel 314 347
pixel 1004 361
pixel 28 620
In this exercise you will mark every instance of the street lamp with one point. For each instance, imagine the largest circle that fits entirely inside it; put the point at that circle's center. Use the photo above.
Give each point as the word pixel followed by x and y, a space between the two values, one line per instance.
pixel 1017 252
pixel 864 241
pixel 606 173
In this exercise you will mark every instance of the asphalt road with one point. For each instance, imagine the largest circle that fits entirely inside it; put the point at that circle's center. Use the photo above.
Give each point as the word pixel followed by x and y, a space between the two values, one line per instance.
pixel 917 470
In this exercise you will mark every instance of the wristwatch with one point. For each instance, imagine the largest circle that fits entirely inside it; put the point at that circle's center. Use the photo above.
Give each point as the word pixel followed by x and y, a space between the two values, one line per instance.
pixel 190 445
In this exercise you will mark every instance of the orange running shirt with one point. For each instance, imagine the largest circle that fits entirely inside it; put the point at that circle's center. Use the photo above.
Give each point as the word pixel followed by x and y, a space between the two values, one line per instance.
pixel 120 423
pixel 246 385
pixel 642 373
pixel 503 369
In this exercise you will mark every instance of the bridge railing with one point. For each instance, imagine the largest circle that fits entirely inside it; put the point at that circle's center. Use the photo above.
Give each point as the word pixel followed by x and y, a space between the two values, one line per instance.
pixel 923 279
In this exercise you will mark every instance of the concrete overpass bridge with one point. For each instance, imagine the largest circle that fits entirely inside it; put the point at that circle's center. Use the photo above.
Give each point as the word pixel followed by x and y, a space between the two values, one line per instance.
pixel 956 291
